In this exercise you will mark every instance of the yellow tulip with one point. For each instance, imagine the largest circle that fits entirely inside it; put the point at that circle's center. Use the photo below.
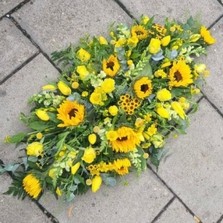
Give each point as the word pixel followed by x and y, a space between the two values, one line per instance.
pixel 64 89
pixel 41 114
pixel 178 109
pixel 96 183
pixel 165 40
pixel 75 168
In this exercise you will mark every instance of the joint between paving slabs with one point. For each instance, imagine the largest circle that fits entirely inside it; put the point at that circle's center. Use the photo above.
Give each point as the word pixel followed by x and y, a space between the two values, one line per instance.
pixel 175 195
pixel 221 2
pixel 216 21
pixel 20 67
pixel 163 209
pixel 40 206
pixel 220 220
pixel 26 34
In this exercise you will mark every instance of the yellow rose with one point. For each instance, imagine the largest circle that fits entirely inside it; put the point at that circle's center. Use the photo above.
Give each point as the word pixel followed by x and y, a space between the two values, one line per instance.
pixel 165 40
pixel 41 114
pixel 113 110
pixel 75 168
pixel 96 98
pixel 164 95
pixel 34 149
pixel 163 112
pixel 108 85
pixel 133 41
pixel 89 155
pixel 154 46
pixel 82 71
pixel 83 55
pixel 64 88
pixel 92 138
pixel 178 109
pixel 96 183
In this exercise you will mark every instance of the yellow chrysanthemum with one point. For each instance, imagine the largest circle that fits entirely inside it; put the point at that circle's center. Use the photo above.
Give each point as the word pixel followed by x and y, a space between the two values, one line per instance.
pixel 83 55
pixel 180 74
pixel 143 87
pixel 71 113
pixel 208 38
pixel 139 31
pixel 111 66
pixel 164 95
pixel 34 149
pixel 121 166
pixel 108 85
pixel 126 141
pixel 32 186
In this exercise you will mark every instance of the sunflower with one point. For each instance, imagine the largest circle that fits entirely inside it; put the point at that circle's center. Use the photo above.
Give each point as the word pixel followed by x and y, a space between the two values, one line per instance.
pixel 126 140
pixel 32 185
pixel 71 113
pixel 139 31
pixel 121 166
pixel 143 87
pixel 180 74
pixel 111 66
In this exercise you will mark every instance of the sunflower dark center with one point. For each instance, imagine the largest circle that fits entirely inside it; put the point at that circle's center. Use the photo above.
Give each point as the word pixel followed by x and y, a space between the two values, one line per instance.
pixel 121 139
pixel 178 76
pixel 138 33
pixel 72 112
pixel 144 87
pixel 110 65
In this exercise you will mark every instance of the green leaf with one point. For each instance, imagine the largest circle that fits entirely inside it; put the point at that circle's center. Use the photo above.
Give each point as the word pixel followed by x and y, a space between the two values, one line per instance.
pixel 16 138
pixel 38 125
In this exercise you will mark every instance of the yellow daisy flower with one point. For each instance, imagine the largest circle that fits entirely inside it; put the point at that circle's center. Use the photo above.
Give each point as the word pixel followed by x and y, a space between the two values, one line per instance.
pixel 139 31
pixel 208 38
pixel 34 149
pixel 71 113
pixel 126 141
pixel 180 74
pixel 111 66
pixel 143 87
pixel 121 166
pixel 32 186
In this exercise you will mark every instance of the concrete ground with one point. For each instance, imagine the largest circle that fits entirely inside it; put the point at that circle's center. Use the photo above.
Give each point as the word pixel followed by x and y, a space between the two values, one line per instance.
pixel 189 183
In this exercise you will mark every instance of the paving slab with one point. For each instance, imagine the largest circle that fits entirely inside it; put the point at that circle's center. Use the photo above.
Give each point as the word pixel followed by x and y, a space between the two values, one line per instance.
pixel 15 48
pixel 14 94
pixel 7 5
pixel 176 212
pixel 139 201
pixel 55 26
pixel 214 86
pixel 208 12
pixel 194 167
pixel 18 211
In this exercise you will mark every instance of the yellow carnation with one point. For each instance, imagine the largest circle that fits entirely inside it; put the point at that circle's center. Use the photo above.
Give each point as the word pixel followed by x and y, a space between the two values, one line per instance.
pixel 64 88
pixel 113 110
pixel 96 98
pixel 82 71
pixel 108 85
pixel 154 46
pixel 34 149
pixel 164 95
pixel 83 55
pixel 89 155
pixel 111 135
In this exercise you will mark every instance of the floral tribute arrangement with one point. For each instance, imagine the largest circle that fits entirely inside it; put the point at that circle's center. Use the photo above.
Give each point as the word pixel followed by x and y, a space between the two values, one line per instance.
pixel 111 109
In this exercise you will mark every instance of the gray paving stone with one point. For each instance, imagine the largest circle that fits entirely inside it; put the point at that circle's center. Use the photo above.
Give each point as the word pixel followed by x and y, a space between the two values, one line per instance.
pixel 176 212
pixel 207 11
pixel 18 211
pixel 214 86
pixel 14 48
pixel 14 94
pixel 194 169
pixel 7 5
pixel 55 26
pixel 140 201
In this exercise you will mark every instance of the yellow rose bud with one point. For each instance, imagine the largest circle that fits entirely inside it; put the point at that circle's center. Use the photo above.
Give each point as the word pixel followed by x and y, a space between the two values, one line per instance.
pixel 89 155
pixel 84 94
pixel 49 87
pixel 83 55
pixel 178 109
pixel 154 46
pixel 64 88
pixel 96 183
pixel 164 95
pixel 39 135
pixel 89 182
pixel 75 168
pixel 92 138
pixel 165 40
pixel 75 85
pixel 102 40
pixel 34 149
pixel 113 110
pixel 82 71
pixel 206 35
pixel 162 112
pixel 41 114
